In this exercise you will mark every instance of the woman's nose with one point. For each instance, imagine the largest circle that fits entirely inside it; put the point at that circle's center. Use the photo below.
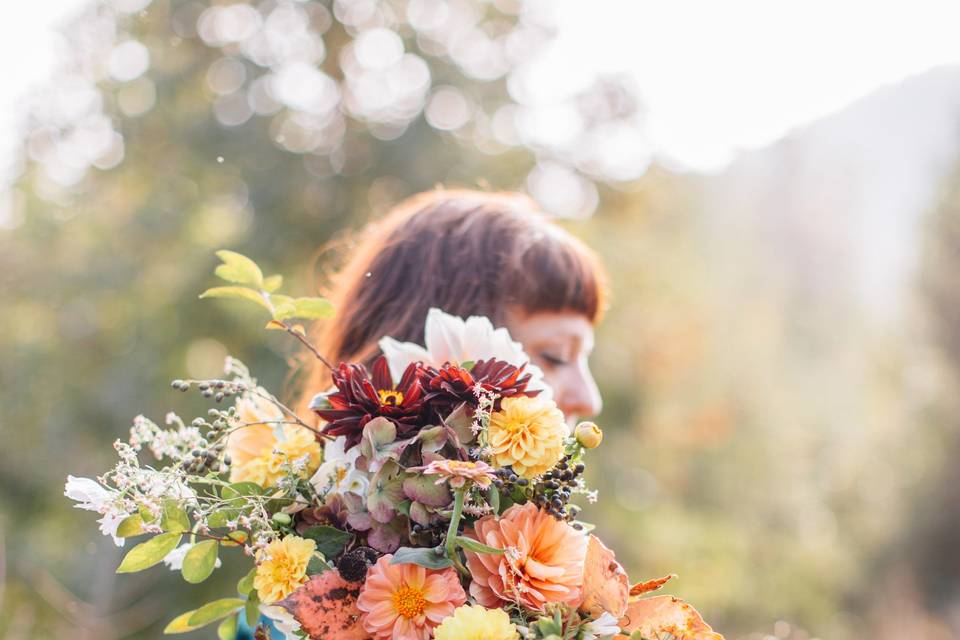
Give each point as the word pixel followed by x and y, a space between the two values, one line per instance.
pixel 578 396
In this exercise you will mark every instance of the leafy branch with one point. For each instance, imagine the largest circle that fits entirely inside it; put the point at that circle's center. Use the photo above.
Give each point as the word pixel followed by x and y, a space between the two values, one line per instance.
pixel 250 284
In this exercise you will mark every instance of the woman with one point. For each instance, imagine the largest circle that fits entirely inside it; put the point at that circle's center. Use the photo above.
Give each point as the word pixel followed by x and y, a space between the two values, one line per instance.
pixel 469 253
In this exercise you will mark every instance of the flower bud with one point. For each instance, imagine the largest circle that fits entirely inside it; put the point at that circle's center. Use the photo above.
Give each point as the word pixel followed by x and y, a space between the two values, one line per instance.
pixel 281 518
pixel 589 435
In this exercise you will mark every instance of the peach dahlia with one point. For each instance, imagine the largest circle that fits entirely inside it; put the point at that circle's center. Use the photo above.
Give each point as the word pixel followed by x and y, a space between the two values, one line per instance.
pixel 406 601
pixel 542 560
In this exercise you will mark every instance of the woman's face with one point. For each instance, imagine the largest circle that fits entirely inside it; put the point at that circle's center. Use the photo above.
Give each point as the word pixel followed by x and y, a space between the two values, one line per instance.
pixel 560 343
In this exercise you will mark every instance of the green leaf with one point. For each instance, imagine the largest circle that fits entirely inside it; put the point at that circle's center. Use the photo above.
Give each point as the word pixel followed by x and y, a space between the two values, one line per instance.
pixel 284 311
pixel 131 526
pixel 236 292
pixel 429 558
pixel 252 609
pixel 317 565
pixel 238 489
pixel 174 518
pixel 477 547
pixel 181 624
pixel 220 517
pixel 330 541
pixel 468 364
pixel 313 308
pixel 239 268
pixel 215 610
pixel 199 562
pixel 245 585
pixel 228 629
pixel 272 283
pixel 146 554
pixel 493 497
pixel 145 515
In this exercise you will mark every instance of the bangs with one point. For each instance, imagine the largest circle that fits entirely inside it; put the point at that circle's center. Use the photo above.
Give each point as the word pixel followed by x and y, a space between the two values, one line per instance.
pixel 556 272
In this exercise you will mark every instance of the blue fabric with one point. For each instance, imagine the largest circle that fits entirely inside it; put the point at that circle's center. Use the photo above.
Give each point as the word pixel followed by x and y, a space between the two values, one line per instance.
pixel 244 632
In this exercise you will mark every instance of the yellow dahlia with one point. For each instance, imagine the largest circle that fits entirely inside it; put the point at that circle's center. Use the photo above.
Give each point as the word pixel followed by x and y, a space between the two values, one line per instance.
pixel 527 434
pixel 476 623
pixel 257 454
pixel 282 567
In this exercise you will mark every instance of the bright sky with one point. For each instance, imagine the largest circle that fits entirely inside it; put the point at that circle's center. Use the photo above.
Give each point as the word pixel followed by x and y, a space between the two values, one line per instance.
pixel 714 76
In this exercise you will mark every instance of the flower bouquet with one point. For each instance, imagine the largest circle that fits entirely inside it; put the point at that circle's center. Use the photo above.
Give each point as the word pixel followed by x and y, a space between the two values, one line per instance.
pixel 436 498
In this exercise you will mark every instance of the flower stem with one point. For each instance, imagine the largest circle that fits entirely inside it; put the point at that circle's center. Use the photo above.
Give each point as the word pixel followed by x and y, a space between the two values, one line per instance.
pixel 451 541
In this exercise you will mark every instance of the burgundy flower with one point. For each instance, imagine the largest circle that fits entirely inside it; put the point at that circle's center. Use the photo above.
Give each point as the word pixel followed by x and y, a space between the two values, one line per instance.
pixel 451 384
pixel 362 396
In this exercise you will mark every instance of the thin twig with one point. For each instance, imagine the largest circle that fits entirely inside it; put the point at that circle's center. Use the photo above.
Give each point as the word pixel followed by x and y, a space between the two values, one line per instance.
pixel 303 339
pixel 290 412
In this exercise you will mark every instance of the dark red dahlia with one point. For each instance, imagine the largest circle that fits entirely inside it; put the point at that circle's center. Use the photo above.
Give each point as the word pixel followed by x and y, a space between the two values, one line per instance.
pixel 452 384
pixel 363 395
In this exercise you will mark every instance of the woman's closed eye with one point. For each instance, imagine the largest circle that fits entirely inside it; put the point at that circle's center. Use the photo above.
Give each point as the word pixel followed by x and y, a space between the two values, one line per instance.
pixel 553 360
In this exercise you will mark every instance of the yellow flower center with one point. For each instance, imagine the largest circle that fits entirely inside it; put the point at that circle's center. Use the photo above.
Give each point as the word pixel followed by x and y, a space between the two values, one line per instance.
pixel 461 465
pixel 409 602
pixel 390 397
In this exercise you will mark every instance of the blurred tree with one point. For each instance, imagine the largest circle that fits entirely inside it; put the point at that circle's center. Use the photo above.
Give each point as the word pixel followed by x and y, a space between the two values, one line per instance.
pixel 177 127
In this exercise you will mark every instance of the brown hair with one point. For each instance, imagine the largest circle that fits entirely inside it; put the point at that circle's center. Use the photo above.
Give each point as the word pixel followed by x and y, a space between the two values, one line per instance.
pixel 465 252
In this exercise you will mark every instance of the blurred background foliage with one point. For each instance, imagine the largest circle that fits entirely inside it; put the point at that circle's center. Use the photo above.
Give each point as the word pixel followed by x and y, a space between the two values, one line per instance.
pixel 778 443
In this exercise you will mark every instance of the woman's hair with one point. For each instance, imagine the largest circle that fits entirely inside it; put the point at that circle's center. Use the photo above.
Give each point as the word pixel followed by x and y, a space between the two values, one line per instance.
pixel 465 252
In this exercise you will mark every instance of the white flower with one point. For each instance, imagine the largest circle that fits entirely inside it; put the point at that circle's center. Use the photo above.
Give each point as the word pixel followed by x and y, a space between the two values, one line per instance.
pixel 110 522
pixel 174 559
pixel 453 339
pixel 92 496
pixel 339 471
pixel 282 620
pixel 605 626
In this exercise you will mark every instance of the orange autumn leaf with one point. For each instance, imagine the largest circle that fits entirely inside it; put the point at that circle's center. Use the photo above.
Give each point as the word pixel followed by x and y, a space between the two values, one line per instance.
pixel 650 585
pixel 326 607
pixel 659 615
pixel 605 585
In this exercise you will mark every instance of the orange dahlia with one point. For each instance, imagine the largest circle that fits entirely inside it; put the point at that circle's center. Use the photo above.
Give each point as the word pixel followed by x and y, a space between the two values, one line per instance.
pixel 542 560
pixel 406 601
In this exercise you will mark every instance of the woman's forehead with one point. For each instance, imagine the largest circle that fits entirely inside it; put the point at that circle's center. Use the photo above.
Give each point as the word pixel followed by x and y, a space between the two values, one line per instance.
pixel 551 327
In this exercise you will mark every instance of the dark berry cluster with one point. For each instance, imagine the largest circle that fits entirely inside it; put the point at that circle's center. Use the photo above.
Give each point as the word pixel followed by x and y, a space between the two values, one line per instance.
pixel 353 564
pixel 216 389
pixel 209 454
pixel 427 535
pixel 507 480
pixel 207 457
pixel 552 493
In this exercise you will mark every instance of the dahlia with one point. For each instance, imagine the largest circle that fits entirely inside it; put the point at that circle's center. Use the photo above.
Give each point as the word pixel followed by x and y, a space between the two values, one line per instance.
pixel 452 384
pixel 459 472
pixel 406 601
pixel 449 338
pixel 527 434
pixel 364 395
pixel 542 560
pixel 282 567
pixel 256 452
pixel 476 623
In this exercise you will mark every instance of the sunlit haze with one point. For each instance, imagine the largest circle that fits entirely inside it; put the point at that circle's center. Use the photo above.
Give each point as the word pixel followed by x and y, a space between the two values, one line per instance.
pixel 713 77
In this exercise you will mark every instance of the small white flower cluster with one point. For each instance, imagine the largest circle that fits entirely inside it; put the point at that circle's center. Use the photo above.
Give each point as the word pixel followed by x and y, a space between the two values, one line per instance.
pixel 477 510
pixel 485 401
pixel 174 444
pixel 128 489
pixel 109 503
